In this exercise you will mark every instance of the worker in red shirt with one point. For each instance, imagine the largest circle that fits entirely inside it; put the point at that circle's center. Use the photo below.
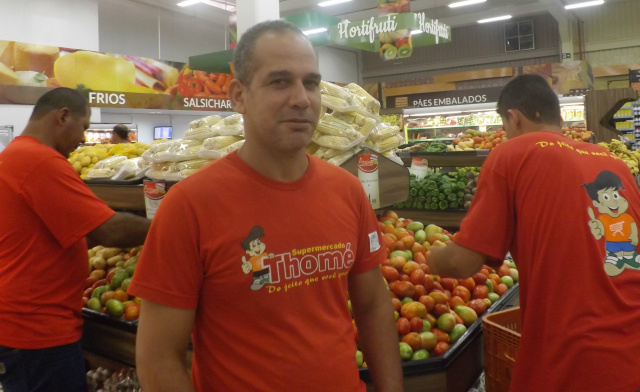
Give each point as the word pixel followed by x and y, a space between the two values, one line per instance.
pixel 579 293
pixel 46 214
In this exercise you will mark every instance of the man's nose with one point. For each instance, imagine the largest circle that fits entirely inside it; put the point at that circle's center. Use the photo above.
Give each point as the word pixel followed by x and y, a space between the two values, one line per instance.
pixel 299 96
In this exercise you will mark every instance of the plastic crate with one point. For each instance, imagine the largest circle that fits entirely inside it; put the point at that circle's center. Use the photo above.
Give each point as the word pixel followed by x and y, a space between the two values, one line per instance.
pixel 501 332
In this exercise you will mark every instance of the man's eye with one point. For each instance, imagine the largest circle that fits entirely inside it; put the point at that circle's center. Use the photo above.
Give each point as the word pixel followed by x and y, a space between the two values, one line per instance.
pixel 312 83
pixel 279 82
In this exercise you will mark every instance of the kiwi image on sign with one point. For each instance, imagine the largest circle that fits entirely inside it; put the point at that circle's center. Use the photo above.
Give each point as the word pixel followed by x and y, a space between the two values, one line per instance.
pixel 388 51
pixel 404 51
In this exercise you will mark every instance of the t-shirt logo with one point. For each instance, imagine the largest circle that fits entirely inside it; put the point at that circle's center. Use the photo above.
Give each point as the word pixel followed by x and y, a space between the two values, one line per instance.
pixel 618 228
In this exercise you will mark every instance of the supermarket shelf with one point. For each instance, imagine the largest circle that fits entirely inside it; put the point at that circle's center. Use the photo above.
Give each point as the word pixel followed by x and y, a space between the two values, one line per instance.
pixel 574 120
pixel 431 140
pixel 626 129
pixel 450 158
pixel 120 197
pixel 452 126
pixel 624 118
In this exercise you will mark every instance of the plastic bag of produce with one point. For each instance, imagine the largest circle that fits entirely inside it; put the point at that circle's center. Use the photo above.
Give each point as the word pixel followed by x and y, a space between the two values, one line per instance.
pixel 342 158
pixel 179 150
pixel 200 133
pixel 236 129
pixel 233 119
pixel 218 142
pixel 205 121
pixel 335 142
pixel 157 171
pixel 110 163
pixel 209 154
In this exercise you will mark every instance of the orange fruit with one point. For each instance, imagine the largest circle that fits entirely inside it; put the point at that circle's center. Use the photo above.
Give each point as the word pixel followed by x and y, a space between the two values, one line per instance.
pixel 413 309
pixel 408 240
pixel 132 311
pixel 120 295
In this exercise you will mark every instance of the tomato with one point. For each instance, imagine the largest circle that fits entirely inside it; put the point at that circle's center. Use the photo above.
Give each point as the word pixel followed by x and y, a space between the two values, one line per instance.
pixel 469 283
pixel 479 278
pixel 429 340
pixel 441 335
pixel 480 291
pixel 413 340
pixel 440 309
pixel 390 274
pixel 132 312
pixel 429 283
pixel 402 288
pixel 441 348
pixel 456 301
pixel 99 283
pixel 403 325
pixel 413 309
pixel 397 304
pixel 439 297
pixel 410 266
pixel 417 325
pixel 89 282
pixel 427 301
pixel 478 306
pixel 420 291
pixel 462 292
pixel 500 289
pixel 405 351
pixel 417 276
pixel 449 283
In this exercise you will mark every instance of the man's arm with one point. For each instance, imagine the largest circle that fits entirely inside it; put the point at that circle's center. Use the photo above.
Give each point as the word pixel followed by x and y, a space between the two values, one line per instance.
pixel 121 230
pixel 454 261
pixel 373 312
pixel 162 341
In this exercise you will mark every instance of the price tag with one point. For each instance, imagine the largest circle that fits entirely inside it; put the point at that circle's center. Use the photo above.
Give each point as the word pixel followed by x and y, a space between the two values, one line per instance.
pixel 368 176
pixel 419 167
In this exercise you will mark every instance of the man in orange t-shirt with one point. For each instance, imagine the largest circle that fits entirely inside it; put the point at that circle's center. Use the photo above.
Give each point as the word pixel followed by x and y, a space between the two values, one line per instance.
pixel 579 312
pixel 47 211
pixel 287 326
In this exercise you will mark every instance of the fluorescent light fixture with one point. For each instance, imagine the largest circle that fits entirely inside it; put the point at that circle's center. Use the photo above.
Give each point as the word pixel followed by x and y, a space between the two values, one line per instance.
pixel 221 5
pixel 331 2
pixel 465 2
pixel 584 4
pixel 497 18
pixel 414 32
pixel 187 3
pixel 218 4
pixel 315 31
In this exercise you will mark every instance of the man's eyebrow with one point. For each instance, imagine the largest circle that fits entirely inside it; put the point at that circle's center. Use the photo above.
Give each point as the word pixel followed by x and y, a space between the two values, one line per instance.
pixel 278 74
pixel 315 76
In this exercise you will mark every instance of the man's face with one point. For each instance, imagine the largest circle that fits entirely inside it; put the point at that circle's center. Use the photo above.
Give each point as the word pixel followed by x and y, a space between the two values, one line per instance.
pixel 611 203
pixel 72 132
pixel 281 103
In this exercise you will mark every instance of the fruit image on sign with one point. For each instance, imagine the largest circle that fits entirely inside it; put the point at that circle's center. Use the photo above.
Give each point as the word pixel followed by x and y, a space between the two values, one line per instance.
pixel 395 44
pixel 368 176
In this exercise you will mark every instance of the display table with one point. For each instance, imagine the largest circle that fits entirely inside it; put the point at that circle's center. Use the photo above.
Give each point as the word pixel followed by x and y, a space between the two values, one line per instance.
pixel 112 344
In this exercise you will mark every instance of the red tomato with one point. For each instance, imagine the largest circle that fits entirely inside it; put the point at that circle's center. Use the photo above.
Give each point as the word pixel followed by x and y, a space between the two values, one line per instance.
pixel 404 327
pixel 456 301
pixel 440 348
pixel 469 283
pixel 481 291
pixel 448 283
pixel 420 291
pixel 99 283
pixel 416 324
pixel 390 274
pixel 440 309
pixel 479 278
pixel 462 292
pixel 441 335
pixel 417 276
pixel 413 339
pixel 397 304
pixel 428 282
pixel 478 305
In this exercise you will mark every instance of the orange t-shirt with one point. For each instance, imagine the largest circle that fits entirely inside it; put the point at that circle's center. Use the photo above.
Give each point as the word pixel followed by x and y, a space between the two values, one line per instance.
pixel 295 332
pixel 617 229
pixel 579 325
pixel 46 211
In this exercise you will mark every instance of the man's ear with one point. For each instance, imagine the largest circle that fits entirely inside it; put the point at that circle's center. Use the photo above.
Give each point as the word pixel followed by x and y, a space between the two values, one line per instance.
pixel 515 119
pixel 237 95
pixel 62 115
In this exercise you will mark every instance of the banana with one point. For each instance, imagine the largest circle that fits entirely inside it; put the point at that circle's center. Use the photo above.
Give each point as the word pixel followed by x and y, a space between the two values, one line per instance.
pixel 385 38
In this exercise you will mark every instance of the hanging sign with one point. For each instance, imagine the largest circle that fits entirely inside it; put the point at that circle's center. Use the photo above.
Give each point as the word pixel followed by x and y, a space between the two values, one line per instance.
pixel 445 98
pixel 392 35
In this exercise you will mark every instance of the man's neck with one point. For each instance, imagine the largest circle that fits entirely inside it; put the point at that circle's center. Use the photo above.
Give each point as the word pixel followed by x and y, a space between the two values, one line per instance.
pixel 281 167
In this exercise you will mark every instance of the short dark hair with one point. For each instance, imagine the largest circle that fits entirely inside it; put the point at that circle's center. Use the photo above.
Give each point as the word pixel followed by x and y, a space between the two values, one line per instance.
pixel 121 130
pixel 243 55
pixel 255 233
pixel 531 95
pixel 59 98
pixel 604 180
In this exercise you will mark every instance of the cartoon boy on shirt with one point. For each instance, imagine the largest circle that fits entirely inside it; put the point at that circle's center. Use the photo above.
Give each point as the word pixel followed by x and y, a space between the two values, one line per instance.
pixel 618 228
pixel 255 248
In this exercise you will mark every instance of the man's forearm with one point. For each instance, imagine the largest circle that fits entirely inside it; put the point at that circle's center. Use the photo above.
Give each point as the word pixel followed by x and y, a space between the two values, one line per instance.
pixel 164 376
pixel 121 230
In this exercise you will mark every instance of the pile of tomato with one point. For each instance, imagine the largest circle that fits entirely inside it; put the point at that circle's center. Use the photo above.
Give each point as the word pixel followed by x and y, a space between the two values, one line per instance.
pixel 432 312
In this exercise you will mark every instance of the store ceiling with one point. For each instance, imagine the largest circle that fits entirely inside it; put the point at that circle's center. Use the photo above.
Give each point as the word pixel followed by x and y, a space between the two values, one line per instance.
pixel 360 9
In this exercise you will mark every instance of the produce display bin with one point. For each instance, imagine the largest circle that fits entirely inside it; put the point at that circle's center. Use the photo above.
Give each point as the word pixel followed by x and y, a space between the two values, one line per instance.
pixel 501 338
pixel 459 367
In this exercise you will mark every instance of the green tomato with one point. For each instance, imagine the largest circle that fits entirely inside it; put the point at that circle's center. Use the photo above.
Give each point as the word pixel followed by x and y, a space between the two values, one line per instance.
pixel 457 331
pixel 420 354
pixel 493 297
pixel 405 351
pixel 359 358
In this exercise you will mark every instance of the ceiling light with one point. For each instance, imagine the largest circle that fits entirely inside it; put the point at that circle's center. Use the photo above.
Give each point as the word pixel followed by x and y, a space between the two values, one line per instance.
pixel 315 31
pixel 503 17
pixel 219 4
pixel 465 2
pixel 187 3
pixel 585 4
pixel 331 2
pixel 414 32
